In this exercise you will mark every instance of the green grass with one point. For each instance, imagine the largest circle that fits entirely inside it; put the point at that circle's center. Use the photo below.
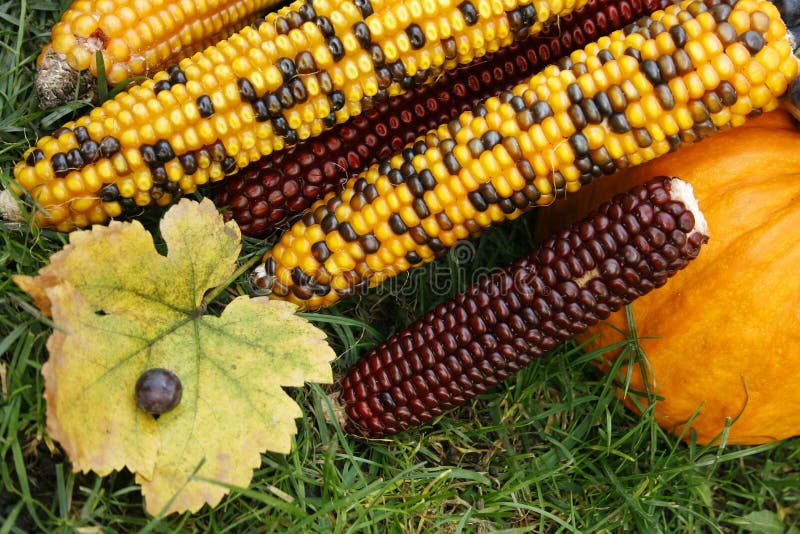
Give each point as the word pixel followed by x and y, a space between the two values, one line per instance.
pixel 552 450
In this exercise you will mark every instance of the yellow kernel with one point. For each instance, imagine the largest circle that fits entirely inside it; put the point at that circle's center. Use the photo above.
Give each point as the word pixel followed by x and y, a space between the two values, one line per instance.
pixel 120 164
pixel 83 204
pixel 595 135
pixel 143 180
pixel 694 85
pixel 81 59
pixel 84 26
pixel 564 153
pixel 740 20
pixel 614 147
pixel 693 29
pixel 489 164
pixel 652 107
pixel 112 25
pixel 683 117
pixel 164 127
pixel 776 29
pixel 73 182
pixel 706 21
pixel 454 212
pixel 565 124
pixel 106 171
pixel 392 202
pixel 680 93
pixel 540 166
pixel 640 83
pixel 206 133
pixel 79 219
pixel 396 247
pixel 721 118
pixel 760 96
pixel 635 115
pixel 769 58
pixel 709 76
pixel 628 66
pixel 215 173
pixel 188 184
pixel 755 72
pixel 588 84
pixel 571 174
pixel 112 209
pixel 711 44
pixel 381 207
pixel 127 15
pixel 649 49
pixel 669 125
pixel 634 40
pixel 723 66
pixel 174 171
pixel 573 186
pixel 409 216
pixel 665 43
pixel 118 50
pixel 790 67
pixel 483 219
pixel 551 131
pixel 126 187
pixel 777 83
pixel 543 186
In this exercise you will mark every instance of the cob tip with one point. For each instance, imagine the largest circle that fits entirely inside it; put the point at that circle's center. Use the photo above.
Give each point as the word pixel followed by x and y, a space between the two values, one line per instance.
pixel 336 409
pixel 9 207
pixel 260 281
pixel 57 82
pixel 683 192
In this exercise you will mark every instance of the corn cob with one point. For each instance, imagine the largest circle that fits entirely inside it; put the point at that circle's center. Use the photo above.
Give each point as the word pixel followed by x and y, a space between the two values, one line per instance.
pixel 266 193
pixel 135 39
pixel 675 78
pixel 303 70
pixel 576 278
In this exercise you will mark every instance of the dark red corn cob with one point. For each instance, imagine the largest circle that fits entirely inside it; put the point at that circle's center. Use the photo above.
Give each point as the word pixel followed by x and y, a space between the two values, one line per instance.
pixel 576 278
pixel 265 194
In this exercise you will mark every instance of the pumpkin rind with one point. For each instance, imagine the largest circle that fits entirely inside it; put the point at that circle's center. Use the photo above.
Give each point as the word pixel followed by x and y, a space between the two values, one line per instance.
pixel 721 339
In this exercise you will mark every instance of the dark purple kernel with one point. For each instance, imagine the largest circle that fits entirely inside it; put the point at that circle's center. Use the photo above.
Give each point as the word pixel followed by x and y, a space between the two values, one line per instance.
pixel 753 40
pixel 665 222
pixel 109 146
pixel 205 106
pixel 686 221
pixel 655 237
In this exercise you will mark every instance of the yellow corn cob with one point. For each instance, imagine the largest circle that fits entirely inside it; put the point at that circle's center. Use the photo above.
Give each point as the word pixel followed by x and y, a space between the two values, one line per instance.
pixel 136 38
pixel 675 78
pixel 304 69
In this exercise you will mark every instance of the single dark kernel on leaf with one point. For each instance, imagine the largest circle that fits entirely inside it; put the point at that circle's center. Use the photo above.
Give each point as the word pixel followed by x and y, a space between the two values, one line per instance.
pixel 158 391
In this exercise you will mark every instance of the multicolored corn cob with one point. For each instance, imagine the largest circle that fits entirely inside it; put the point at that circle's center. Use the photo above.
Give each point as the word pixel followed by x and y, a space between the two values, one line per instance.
pixel 576 278
pixel 266 193
pixel 674 78
pixel 304 69
pixel 135 39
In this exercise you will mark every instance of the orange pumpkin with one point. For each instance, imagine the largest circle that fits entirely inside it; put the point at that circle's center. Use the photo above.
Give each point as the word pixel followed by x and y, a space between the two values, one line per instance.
pixel 723 336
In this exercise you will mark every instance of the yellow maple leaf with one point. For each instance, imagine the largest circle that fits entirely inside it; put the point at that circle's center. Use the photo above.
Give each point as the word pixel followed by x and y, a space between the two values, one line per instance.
pixel 120 308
